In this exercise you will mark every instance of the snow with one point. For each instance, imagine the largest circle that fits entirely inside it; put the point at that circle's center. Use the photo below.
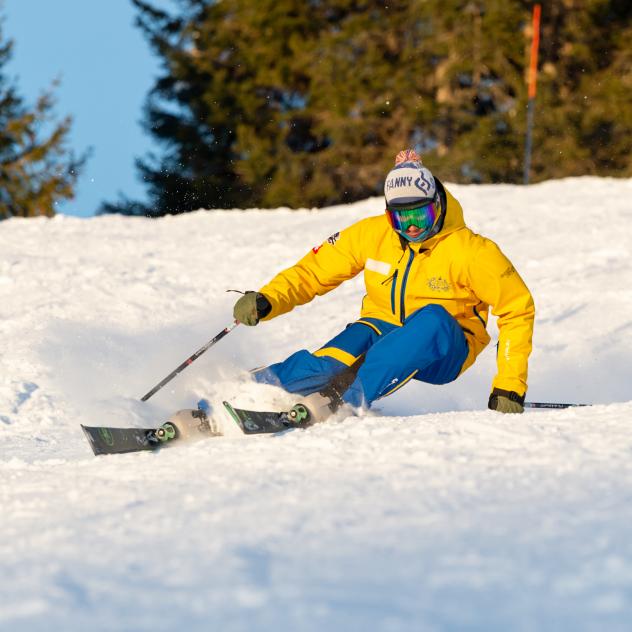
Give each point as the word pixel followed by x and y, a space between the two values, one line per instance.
pixel 430 513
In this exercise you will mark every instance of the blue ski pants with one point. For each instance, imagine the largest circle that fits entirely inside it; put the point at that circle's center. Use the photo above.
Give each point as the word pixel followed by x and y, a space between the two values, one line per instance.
pixel 430 346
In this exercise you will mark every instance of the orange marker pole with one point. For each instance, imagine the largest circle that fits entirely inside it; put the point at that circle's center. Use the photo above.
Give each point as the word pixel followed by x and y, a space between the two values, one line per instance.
pixel 533 77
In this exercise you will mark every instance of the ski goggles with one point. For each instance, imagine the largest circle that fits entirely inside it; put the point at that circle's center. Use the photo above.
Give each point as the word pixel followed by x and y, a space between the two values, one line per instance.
pixel 423 217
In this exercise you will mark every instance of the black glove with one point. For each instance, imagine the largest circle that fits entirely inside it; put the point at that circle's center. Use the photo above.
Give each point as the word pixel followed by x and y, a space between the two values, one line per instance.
pixel 251 307
pixel 506 401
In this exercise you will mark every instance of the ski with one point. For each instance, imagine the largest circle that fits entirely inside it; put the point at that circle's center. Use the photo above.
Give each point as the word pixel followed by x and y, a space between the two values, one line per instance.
pixel 186 424
pixel 268 422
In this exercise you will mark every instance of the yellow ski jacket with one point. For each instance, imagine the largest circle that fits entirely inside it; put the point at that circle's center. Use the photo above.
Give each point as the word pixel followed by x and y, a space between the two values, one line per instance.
pixel 458 269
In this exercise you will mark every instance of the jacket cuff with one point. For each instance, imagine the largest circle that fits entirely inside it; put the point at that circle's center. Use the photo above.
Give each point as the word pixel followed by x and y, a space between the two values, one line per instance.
pixel 264 307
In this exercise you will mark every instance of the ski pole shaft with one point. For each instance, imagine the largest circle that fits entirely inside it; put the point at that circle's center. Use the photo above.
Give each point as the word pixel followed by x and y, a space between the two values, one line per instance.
pixel 189 360
pixel 551 405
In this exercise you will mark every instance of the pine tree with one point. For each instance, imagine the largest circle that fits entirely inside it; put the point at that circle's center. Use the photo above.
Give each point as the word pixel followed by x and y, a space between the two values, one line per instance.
pixel 36 168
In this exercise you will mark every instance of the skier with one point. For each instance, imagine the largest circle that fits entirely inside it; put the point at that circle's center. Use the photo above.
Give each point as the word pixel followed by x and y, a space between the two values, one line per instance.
pixel 430 282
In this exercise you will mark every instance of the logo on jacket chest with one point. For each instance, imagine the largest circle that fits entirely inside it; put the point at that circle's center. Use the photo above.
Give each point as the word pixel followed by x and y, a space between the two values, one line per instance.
pixel 439 284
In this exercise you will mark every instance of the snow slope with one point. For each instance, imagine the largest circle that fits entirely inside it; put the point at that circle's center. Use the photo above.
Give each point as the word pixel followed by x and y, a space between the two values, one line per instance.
pixel 431 513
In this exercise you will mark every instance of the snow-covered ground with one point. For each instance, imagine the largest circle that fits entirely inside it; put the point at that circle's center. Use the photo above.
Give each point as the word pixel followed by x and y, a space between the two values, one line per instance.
pixel 432 513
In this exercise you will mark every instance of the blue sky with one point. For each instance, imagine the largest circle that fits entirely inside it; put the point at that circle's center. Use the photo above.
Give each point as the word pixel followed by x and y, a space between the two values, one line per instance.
pixel 106 70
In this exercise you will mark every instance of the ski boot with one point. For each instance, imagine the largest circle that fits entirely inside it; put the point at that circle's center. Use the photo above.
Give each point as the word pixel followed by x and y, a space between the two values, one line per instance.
pixel 319 406
pixel 311 410
pixel 189 424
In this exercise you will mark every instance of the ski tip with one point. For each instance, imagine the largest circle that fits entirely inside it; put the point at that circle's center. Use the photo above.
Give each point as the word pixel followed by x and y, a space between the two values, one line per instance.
pixel 91 441
pixel 231 411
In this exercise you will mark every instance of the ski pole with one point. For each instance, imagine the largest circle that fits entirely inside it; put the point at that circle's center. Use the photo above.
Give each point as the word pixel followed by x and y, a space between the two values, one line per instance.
pixel 551 405
pixel 189 360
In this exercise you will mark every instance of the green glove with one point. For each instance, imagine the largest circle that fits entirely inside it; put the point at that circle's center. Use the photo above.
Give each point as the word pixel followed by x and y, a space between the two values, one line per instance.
pixel 251 307
pixel 506 401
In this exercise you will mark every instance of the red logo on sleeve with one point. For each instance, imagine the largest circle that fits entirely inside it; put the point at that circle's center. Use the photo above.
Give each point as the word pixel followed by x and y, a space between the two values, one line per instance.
pixel 315 249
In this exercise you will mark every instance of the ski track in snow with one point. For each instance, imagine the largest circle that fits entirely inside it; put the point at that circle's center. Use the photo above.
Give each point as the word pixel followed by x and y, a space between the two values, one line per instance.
pixel 429 513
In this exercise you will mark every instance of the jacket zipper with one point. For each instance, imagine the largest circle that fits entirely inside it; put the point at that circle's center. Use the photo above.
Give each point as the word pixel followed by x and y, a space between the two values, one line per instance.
pixel 402 307
pixel 394 279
